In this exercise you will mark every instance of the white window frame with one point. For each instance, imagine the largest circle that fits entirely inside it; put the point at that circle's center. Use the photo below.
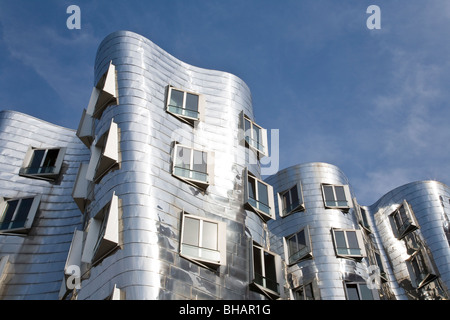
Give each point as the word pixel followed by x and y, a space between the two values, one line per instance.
pixel 374 292
pixel 85 130
pixel 306 252
pixel 359 238
pixel 362 216
pixel 408 222
pixel 284 212
pixel 102 233
pixel 260 281
pixel 314 290
pixel 30 216
pixel 105 154
pixel 81 187
pixel 190 119
pixel 104 93
pixel 336 205
pixel 203 184
pixel 427 272
pixel 200 258
pixel 50 176
pixel 254 204
pixel 248 136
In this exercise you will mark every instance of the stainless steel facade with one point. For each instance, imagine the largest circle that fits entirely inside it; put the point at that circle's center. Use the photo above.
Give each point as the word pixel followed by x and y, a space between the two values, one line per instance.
pixel 158 195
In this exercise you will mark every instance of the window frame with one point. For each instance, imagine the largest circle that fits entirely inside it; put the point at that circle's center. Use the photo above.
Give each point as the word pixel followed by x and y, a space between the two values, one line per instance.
pixel 313 289
pixel 221 241
pixel 262 286
pixel 300 206
pixel 32 211
pixel 248 136
pixel 402 230
pixel 265 216
pixel 306 255
pixel 426 270
pixel 105 154
pixel 183 117
pixel 49 176
pixel 209 166
pixel 359 238
pixel 347 194
pixel 102 237
pixel 104 94
pixel 359 291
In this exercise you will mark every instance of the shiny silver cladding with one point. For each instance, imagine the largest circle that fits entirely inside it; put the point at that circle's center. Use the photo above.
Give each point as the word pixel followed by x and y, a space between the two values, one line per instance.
pixel 35 262
pixel 152 200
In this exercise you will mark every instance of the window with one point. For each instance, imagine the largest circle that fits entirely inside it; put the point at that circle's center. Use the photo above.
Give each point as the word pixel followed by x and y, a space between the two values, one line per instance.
pixel 104 154
pixel 184 105
pixel 192 165
pixel 348 243
pixel 203 240
pixel 264 272
pixel 255 136
pixel 411 242
pixel 358 291
pixel 422 269
pixel 404 221
pixel 42 163
pixel 104 93
pixel 82 188
pixel 17 215
pixel 103 233
pixel 336 196
pixel 298 246
pixel 307 292
pixel 258 196
pixel 380 266
pixel 290 201
pixel 85 130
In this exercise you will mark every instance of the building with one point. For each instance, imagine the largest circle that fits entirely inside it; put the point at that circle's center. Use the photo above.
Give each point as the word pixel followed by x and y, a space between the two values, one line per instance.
pixel 158 195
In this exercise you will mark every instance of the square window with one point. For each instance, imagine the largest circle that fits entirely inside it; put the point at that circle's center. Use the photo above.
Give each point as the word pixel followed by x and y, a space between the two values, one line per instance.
pixel 186 106
pixel 42 163
pixel 258 196
pixel 17 215
pixel 192 165
pixel 255 136
pixel 348 243
pixel 336 196
pixel 265 271
pixel 298 246
pixel 291 200
pixel 203 240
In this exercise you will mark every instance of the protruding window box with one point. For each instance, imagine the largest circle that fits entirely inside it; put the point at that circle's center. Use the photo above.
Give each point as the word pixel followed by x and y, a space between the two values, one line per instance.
pixel 255 136
pixel 349 243
pixel 298 246
pixel 17 215
pixel 104 93
pixel 184 105
pixel 403 220
pixel 81 188
pixel 43 163
pixel 258 196
pixel 290 200
pixel 337 197
pixel 265 271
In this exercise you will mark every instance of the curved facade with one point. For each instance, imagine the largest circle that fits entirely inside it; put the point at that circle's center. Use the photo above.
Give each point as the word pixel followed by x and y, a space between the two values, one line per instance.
pixel 158 195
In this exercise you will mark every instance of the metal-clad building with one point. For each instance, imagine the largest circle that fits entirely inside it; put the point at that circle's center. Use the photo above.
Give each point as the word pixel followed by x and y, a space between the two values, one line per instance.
pixel 158 195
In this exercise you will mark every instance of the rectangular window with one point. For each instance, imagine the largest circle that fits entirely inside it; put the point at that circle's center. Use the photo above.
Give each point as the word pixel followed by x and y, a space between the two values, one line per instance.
pixel 104 93
pixel 42 163
pixel 264 273
pixel 403 220
pixel 254 135
pixel 184 105
pixel 336 196
pixel 298 246
pixel 422 269
pixel 203 240
pixel 290 201
pixel 306 292
pixel 348 243
pixel 192 165
pixel 17 215
pixel 358 291
pixel 258 196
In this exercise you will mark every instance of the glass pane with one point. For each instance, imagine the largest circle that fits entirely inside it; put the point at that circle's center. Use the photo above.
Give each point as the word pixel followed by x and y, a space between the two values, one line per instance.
pixel 270 272
pixel 340 193
pixel 251 188
pixel 51 157
pixel 199 161
pixel 247 127
pixel 22 213
pixel 257 265
pixel 210 233
pixel 352 292
pixel 352 240
pixel 191 231
pixel 192 102
pixel 257 134
pixel 176 98
pixel 366 293
pixel 183 158
pixel 292 245
pixel 294 196
pixel 340 239
pixel 286 203
pixel 328 192
pixel 36 161
pixel 263 196
pixel 8 213
pixel 301 239
pixel 309 293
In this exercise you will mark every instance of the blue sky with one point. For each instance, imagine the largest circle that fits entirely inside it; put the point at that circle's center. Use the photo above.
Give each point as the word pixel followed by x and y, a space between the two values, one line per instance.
pixel 373 102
